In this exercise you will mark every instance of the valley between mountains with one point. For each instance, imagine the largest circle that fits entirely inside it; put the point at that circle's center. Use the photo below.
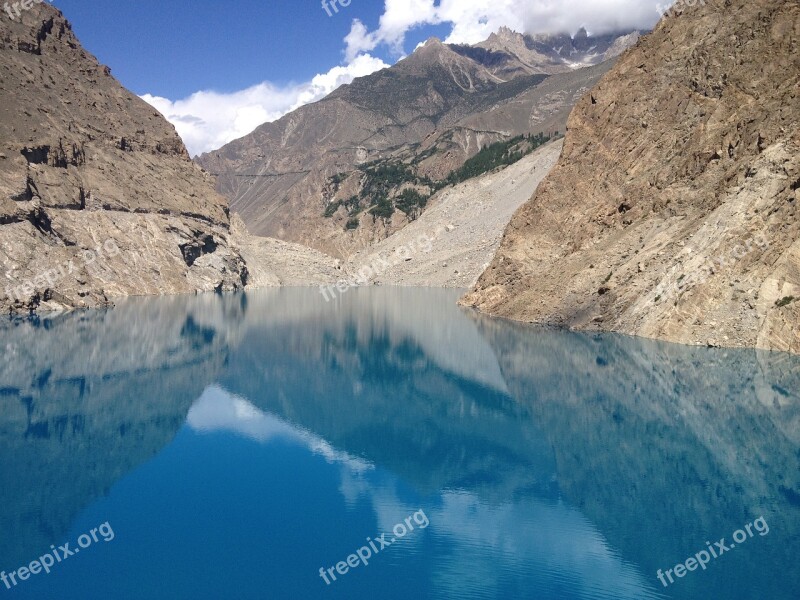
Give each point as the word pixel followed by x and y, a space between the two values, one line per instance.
pixel 639 182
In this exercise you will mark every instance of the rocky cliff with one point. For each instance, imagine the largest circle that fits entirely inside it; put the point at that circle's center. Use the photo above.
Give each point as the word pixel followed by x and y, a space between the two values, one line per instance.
pixel 98 196
pixel 672 211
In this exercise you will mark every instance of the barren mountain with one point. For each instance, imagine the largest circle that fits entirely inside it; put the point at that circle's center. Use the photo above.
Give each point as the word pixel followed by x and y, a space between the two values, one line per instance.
pixel 508 54
pixel 672 212
pixel 98 196
pixel 368 156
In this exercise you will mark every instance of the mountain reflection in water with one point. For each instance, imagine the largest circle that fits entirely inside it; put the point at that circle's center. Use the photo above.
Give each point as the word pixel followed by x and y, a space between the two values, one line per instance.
pixel 550 464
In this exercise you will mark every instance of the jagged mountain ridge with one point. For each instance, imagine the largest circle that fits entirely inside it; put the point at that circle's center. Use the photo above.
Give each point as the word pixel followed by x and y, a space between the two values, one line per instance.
pixel 508 54
pixel 672 212
pixel 436 108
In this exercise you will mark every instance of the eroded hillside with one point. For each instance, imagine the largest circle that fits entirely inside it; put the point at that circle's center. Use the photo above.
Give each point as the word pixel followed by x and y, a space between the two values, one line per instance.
pixel 672 212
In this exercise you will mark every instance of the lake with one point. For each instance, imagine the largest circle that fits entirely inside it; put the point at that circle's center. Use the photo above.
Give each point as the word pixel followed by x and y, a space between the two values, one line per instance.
pixel 387 444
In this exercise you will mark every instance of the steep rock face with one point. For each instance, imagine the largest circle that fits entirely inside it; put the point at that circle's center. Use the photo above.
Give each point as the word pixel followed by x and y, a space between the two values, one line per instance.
pixel 98 196
pixel 430 113
pixel 672 212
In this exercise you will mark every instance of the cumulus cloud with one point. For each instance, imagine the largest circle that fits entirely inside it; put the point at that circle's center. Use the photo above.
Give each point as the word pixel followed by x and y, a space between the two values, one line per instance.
pixel 207 120
pixel 474 20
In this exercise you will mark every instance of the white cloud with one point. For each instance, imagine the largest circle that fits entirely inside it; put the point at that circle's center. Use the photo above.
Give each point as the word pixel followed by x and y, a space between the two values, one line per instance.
pixel 324 84
pixel 474 20
pixel 359 40
pixel 208 120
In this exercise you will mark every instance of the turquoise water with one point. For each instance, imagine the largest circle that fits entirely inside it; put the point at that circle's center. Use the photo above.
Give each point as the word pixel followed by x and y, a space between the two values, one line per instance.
pixel 235 446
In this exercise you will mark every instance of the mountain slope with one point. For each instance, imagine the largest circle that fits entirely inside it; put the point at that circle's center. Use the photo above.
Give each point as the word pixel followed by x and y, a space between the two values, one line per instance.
pixel 98 196
pixel 429 113
pixel 672 212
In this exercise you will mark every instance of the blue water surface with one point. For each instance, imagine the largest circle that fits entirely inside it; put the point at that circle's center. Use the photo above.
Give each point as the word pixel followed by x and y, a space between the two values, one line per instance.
pixel 236 445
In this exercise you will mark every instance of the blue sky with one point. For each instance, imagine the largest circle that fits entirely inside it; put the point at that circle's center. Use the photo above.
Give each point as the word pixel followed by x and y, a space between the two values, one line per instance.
pixel 219 69
pixel 173 48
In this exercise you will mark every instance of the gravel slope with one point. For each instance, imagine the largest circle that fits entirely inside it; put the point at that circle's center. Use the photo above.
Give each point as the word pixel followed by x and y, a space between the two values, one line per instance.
pixel 455 239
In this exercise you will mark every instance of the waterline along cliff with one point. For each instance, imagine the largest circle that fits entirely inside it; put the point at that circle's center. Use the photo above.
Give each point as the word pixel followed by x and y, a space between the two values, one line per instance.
pixel 672 211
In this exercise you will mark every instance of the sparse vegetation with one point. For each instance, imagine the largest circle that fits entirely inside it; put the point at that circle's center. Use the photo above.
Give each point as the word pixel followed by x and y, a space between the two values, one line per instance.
pixel 411 202
pixel 338 178
pixel 383 209
pixel 425 155
pixel 382 179
pixel 331 209
pixel 496 155
pixel 353 205
pixel 352 223
pixel 785 301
